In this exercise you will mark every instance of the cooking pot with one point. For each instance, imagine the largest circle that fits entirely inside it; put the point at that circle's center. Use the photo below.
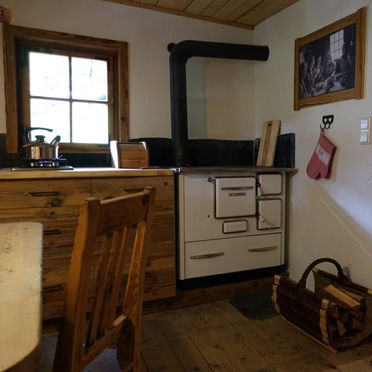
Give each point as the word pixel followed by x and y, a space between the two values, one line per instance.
pixel 39 149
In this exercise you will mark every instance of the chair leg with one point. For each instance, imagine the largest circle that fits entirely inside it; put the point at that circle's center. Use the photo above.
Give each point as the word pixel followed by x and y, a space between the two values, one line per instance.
pixel 126 354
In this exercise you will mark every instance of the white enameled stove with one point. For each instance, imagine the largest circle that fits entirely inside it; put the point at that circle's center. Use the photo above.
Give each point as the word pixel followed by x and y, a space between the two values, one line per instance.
pixel 230 220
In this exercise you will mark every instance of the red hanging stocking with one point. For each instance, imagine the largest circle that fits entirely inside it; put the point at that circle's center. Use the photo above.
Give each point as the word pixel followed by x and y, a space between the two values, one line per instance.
pixel 320 163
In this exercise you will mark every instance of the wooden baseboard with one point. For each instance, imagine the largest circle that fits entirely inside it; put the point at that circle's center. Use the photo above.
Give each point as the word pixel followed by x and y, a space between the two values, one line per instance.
pixel 192 297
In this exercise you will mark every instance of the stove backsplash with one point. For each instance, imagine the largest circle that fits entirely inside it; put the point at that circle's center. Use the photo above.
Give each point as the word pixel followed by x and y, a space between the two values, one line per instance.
pixel 203 153
pixel 213 152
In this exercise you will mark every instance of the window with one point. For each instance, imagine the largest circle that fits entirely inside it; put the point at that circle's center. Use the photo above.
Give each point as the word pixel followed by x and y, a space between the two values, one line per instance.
pixel 70 95
pixel 336 42
pixel 72 84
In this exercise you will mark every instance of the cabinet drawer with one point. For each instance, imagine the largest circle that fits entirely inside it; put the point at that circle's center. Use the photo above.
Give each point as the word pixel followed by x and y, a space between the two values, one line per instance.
pixel 109 188
pixel 59 226
pixel 55 272
pixel 221 256
pixel 58 237
pixel 50 193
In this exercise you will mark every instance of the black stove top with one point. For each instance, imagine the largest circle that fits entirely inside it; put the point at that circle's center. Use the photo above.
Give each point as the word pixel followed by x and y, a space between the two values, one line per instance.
pixel 44 164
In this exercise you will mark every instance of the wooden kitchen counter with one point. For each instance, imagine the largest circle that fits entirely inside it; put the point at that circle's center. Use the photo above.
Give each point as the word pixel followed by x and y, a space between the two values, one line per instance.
pixel 53 198
pixel 7 173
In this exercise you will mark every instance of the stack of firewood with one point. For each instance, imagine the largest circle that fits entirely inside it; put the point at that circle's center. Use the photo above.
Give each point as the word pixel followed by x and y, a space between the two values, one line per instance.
pixel 349 314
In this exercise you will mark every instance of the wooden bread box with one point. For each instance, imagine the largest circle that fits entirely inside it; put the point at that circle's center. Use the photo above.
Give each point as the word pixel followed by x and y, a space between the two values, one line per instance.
pixel 129 154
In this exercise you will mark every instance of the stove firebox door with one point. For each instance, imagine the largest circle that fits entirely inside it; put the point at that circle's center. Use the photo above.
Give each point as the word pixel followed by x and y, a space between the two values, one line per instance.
pixel 235 197
pixel 269 214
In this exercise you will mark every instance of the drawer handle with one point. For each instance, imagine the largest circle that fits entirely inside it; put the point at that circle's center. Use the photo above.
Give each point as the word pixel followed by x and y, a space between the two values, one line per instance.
pixel 232 188
pixel 53 288
pixel 56 202
pixel 44 193
pixel 208 255
pixel 237 193
pixel 52 232
pixel 263 249
pixel 133 190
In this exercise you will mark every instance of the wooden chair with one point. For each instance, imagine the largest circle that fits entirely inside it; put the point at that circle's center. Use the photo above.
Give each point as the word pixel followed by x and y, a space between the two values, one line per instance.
pixel 83 337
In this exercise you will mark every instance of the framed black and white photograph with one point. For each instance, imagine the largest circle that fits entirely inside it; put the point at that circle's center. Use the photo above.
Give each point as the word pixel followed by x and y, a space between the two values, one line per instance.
pixel 329 63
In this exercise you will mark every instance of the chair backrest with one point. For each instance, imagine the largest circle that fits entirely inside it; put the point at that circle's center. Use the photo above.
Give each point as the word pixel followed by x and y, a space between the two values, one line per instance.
pixel 111 223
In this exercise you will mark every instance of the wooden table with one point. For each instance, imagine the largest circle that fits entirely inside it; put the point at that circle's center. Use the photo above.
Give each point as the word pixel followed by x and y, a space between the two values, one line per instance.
pixel 20 294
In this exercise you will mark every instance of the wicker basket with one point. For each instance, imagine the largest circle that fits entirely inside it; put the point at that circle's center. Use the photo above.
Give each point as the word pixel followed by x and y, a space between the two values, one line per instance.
pixel 318 314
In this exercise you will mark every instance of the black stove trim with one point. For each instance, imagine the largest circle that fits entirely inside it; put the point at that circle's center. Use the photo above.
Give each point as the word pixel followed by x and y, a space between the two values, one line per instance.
pixel 179 55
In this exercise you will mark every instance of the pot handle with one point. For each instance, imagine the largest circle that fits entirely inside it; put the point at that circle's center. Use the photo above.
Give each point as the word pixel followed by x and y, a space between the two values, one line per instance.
pixel 26 133
pixel 55 141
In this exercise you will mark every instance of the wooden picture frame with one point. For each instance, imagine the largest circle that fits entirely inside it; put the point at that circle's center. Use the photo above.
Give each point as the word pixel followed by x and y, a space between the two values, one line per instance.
pixel 329 63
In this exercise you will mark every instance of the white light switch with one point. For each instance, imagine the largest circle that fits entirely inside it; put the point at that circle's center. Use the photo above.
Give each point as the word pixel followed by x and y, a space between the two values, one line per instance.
pixel 365 131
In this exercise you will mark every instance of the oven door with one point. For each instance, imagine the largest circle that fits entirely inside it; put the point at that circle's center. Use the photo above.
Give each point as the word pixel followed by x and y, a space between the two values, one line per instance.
pixel 235 197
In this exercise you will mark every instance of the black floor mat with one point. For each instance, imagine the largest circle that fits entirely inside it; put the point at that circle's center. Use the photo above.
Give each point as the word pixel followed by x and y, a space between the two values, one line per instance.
pixel 255 306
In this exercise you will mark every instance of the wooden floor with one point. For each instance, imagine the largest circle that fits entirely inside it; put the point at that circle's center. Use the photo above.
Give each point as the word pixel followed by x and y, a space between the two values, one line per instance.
pixel 217 337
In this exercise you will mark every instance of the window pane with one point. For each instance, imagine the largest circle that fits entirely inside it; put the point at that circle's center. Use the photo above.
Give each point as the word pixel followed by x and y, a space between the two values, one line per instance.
pixel 89 79
pixel 89 123
pixel 51 114
pixel 49 75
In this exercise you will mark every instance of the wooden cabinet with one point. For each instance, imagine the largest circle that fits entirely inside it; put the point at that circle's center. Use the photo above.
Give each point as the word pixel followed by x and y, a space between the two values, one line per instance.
pixel 55 203
pixel 160 269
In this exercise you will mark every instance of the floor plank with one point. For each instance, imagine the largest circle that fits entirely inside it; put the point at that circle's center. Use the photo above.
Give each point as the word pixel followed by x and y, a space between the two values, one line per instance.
pixel 224 347
pixel 281 351
pixel 157 353
pixel 297 338
pixel 188 353
pixel 362 365
pixel 348 356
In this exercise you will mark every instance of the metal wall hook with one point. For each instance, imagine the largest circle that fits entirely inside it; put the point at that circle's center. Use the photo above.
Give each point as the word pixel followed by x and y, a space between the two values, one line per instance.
pixel 327 121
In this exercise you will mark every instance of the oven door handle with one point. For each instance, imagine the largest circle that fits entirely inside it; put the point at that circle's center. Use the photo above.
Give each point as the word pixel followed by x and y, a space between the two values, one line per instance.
pixel 237 188
pixel 207 255
pixel 263 249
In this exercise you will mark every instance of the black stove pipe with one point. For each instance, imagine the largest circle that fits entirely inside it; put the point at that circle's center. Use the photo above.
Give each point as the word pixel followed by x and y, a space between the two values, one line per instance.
pixel 179 55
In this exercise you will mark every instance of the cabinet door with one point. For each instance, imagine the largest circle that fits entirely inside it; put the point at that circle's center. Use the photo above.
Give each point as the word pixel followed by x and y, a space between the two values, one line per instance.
pixel 55 204
pixel 160 275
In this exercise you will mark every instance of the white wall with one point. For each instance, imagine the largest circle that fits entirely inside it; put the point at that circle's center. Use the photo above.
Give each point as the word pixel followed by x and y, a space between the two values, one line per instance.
pixel 148 34
pixel 327 217
pixel 220 98
pixel 230 102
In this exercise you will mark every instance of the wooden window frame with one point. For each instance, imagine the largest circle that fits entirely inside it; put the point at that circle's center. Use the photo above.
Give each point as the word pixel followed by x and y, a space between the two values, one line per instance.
pixel 117 51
